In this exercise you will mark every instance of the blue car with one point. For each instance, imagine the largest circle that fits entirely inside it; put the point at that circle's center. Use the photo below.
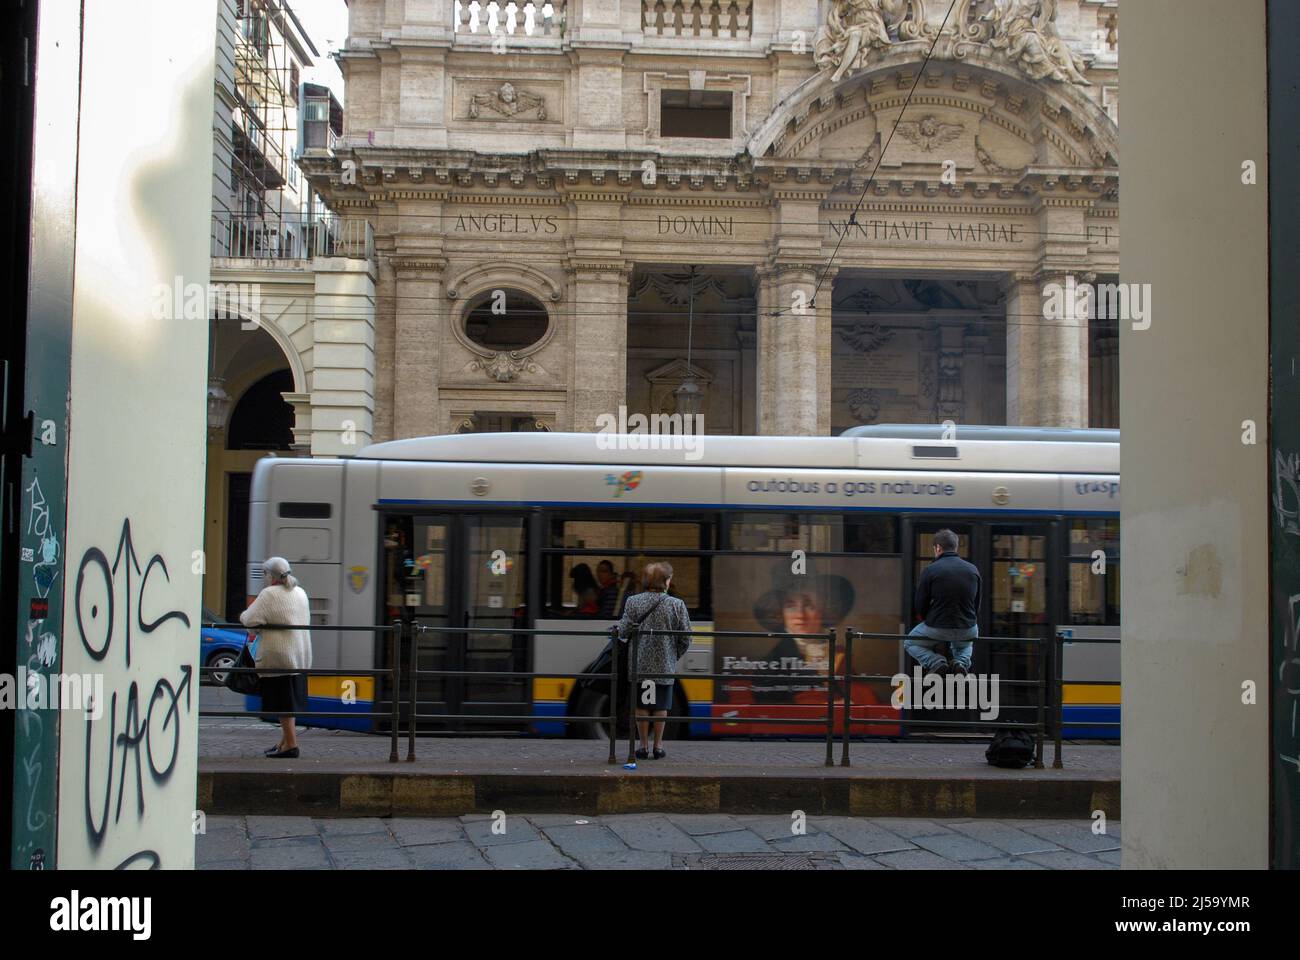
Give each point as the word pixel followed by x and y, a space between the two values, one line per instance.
pixel 218 648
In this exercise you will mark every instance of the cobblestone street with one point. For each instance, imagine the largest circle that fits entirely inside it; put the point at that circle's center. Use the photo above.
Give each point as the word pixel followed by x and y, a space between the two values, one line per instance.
pixel 652 841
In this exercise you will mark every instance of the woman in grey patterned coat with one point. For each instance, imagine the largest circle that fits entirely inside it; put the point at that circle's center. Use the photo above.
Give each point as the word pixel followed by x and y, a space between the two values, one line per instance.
pixel 654 613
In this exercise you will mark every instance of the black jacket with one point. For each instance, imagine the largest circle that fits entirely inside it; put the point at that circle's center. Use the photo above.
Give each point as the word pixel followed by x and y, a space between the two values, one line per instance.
pixel 948 592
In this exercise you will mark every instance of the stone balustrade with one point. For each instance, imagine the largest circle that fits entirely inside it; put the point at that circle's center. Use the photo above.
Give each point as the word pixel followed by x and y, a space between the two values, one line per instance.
pixel 721 19
pixel 509 19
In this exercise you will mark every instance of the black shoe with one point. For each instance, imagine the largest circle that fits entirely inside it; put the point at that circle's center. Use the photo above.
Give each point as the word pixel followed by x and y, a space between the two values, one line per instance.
pixel 659 755
pixel 270 750
pixel 641 753
pixel 960 669
pixel 941 669
pixel 291 754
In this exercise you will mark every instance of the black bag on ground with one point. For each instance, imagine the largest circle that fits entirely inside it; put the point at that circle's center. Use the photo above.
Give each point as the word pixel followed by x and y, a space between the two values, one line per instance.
pixel 1011 748
pixel 249 684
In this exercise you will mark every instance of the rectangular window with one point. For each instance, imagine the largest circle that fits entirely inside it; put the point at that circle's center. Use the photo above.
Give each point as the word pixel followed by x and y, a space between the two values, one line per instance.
pixel 815 533
pixel 695 113
pixel 305 511
pixel 1092 563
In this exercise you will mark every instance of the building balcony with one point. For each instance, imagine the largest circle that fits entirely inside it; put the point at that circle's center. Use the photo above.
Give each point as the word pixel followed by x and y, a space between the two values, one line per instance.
pixel 289 243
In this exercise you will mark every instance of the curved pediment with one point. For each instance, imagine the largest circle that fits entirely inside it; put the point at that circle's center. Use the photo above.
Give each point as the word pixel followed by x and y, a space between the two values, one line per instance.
pixel 976 116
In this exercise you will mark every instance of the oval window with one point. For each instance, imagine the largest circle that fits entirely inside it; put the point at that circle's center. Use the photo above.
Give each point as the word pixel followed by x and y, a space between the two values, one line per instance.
pixel 512 321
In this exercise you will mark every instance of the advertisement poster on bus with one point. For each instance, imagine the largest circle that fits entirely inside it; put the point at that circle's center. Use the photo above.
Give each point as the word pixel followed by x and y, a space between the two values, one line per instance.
pixel 782 599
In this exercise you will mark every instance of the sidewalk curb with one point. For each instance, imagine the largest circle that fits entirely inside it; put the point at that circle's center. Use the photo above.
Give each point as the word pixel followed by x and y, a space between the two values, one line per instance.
pixel 239 792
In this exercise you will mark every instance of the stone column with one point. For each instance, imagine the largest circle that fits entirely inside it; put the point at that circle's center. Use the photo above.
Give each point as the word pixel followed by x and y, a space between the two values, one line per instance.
pixel 598 330
pixel 421 316
pixel 1024 316
pixel 1063 354
pixel 343 356
pixel 794 351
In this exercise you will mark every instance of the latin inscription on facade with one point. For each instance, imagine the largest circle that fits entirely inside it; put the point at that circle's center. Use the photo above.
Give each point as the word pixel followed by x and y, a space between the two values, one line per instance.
pixel 927 231
pixel 505 223
pixel 709 226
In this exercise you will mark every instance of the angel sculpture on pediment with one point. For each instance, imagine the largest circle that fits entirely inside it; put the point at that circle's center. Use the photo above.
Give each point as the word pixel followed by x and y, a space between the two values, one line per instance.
pixel 852 30
pixel 1025 30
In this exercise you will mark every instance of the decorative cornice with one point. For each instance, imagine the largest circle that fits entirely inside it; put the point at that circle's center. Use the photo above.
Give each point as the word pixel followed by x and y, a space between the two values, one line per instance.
pixel 618 268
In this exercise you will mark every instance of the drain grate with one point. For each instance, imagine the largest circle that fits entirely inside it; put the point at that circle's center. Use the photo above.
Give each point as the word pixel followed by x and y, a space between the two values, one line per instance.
pixel 757 861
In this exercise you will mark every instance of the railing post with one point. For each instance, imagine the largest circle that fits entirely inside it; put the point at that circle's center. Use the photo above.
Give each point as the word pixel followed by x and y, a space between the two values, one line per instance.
pixel 1058 672
pixel 395 678
pixel 848 694
pixel 631 704
pixel 1042 699
pixel 830 698
pixel 415 630
pixel 614 641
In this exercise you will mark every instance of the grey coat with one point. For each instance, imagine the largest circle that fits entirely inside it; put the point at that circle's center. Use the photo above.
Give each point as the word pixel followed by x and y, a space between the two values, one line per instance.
pixel 657 651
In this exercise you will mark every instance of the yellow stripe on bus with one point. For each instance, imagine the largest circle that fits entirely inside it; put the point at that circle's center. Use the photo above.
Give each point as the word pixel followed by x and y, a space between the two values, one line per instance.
pixel 557 691
pixel 1090 693
pixel 552 691
pixel 332 687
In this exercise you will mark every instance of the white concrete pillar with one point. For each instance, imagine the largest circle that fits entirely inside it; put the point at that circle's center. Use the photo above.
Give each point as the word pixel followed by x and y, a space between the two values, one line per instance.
pixel 343 356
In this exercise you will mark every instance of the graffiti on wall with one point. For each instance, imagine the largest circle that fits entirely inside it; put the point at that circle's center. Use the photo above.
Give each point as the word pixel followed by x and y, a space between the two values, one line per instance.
pixel 133 748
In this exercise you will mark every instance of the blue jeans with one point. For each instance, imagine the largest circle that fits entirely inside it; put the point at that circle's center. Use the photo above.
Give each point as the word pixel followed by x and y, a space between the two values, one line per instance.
pixel 921 641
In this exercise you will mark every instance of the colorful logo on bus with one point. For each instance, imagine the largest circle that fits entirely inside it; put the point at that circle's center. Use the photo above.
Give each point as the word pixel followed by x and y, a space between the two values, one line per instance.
pixel 358 577
pixel 628 481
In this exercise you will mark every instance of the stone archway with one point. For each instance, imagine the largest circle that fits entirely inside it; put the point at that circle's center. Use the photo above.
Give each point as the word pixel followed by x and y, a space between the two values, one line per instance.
pixel 968 167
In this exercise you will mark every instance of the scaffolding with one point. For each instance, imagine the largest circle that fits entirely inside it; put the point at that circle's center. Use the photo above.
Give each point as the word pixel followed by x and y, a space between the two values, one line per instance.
pixel 266 90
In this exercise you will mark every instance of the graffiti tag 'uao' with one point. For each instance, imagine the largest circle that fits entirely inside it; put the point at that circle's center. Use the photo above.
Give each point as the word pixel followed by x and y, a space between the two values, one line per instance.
pixel 141 732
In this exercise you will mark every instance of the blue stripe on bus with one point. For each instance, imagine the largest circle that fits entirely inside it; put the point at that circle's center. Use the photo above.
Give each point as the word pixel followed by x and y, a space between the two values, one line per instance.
pixel 550 708
pixel 748 506
pixel 1086 715
pixel 324 705
pixel 702 719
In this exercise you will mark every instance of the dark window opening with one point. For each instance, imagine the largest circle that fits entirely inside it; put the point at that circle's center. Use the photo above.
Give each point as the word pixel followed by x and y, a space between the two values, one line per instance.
pixel 305 511
pixel 695 113
pixel 506 320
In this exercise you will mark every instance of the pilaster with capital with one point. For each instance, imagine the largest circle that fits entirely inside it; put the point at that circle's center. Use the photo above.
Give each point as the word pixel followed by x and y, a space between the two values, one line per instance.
pixel 794 350
pixel 420 312
pixel 598 320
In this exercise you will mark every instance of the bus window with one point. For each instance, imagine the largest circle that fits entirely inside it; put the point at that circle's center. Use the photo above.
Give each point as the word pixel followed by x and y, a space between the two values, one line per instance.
pixel 589 534
pixel 814 533
pixel 1093 564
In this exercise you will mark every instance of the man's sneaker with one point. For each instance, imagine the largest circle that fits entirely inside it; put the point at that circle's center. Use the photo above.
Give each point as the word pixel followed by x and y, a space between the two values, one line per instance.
pixel 941 668
pixel 960 669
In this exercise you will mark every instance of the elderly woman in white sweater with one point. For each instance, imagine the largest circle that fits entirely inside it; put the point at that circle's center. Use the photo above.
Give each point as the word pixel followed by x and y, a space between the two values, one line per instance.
pixel 282 602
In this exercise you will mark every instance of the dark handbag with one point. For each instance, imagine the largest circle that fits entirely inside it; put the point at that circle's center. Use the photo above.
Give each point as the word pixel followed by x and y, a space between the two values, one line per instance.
pixel 249 684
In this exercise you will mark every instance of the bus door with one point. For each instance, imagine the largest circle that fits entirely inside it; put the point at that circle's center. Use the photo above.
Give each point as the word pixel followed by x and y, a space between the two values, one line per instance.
pixel 971 547
pixel 490 590
pixel 461 571
pixel 1015 583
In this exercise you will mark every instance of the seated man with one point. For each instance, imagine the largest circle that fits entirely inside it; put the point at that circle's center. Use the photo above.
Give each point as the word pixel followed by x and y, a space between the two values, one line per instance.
pixel 948 598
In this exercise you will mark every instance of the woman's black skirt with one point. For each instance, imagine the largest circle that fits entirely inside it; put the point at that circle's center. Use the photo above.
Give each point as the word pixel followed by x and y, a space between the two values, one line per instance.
pixel 286 693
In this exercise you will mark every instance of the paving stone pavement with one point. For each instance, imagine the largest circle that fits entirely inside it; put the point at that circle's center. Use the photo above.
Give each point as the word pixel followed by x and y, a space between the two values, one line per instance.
pixel 652 842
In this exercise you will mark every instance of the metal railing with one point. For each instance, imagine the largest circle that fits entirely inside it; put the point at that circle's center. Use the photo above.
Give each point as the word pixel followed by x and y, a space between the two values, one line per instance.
pixel 292 238
pixel 1063 637
pixel 837 682
pixel 394 633
pixel 1037 728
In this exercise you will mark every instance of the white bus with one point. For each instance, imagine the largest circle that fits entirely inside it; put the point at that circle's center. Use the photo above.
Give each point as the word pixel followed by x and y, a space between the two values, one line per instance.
pixel 766 535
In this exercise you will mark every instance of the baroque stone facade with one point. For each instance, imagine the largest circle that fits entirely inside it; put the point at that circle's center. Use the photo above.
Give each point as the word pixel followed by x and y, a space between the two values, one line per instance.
pixel 849 209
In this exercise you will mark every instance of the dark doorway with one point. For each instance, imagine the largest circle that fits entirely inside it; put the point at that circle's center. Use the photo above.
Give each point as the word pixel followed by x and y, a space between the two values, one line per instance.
pixel 237 492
